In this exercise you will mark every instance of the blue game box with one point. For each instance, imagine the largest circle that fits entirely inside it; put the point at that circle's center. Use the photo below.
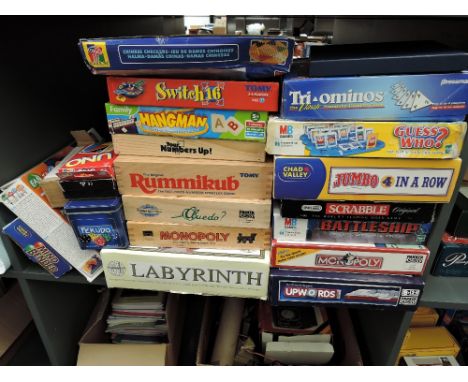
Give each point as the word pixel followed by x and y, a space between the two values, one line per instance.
pixel 36 249
pixel 425 97
pixel 241 56
pixel 299 288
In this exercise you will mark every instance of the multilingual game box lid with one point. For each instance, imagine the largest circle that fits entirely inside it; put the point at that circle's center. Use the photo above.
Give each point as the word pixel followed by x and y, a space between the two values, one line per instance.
pixel 204 94
pixel 424 97
pixel 245 56
pixel 289 287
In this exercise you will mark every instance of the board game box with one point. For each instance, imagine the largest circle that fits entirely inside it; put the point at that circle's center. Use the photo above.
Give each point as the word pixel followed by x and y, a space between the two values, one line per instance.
pixel 452 259
pixel 293 287
pixel 36 249
pixel 366 210
pixel 239 56
pixel 253 213
pixel 187 122
pixel 202 94
pixel 140 175
pixel 359 231
pixel 308 178
pixel 177 270
pixel 365 139
pixel 418 97
pixel 458 222
pixel 350 257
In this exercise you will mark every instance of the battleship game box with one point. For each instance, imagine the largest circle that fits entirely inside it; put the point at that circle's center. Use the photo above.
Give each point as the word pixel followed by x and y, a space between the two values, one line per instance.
pixel 238 56
pixel 366 210
pixel 358 231
pixel 187 122
pixel 350 257
pixel 297 288
pixel 418 97
pixel 412 180
pixel 203 94
pixel 365 139
pixel 452 259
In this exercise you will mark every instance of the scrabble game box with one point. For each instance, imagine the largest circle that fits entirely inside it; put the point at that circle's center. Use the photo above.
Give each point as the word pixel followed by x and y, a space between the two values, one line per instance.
pixel 366 210
pixel 350 257
pixel 203 94
pixel 238 56
pixel 293 287
pixel 365 139
pixel 307 178
pixel 417 97
pixel 186 122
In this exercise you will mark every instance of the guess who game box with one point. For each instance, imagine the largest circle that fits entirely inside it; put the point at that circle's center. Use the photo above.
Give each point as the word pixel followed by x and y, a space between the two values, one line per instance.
pixel 239 56
pixel 365 139
pixel 350 257
pixel 203 94
pixel 187 122
pixel 305 178
pixel 384 211
pixel 423 97
pixel 296 288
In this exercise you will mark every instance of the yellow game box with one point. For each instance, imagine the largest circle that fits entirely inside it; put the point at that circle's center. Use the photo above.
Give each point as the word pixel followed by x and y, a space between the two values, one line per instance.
pixel 368 139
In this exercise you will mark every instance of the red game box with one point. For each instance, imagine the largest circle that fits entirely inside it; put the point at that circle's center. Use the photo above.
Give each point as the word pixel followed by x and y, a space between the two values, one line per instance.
pixel 93 162
pixel 201 94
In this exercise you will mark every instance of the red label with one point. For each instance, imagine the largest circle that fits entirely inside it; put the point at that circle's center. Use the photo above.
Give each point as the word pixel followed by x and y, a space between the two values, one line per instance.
pixel 193 236
pixel 369 226
pixel 149 185
pixel 357 209
pixel 349 261
pixel 359 179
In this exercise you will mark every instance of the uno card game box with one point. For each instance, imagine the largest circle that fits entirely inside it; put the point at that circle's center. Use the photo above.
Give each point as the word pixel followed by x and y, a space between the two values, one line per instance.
pixel 452 259
pixel 365 139
pixel 36 249
pixel 419 97
pixel 239 56
pixel 308 178
pixel 358 231
pixel 182 270
pixel 397 212
pixel 350 257
pixel 203 94
pixel 187 122
pixel 292 287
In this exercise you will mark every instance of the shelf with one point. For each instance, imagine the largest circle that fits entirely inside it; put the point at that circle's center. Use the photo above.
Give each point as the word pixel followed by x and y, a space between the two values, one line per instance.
pixel 34 272
pixel 445 292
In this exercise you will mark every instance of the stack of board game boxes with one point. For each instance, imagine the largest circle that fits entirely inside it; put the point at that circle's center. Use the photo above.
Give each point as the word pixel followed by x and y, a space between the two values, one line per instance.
pixel 359 164
pixel 191 165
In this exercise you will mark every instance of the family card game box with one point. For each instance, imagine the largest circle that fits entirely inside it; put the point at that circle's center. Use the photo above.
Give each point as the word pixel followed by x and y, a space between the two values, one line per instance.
pixel 293 287
pixel 307 178
pixel 366 210
pixel 187 122
pixel 452 259
pixel 365 139
pixel 350 257
pixel 418 97
pixel 202 94
pixel 239 56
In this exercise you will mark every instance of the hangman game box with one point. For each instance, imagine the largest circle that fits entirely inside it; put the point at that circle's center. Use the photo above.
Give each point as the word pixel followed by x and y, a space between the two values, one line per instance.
pixel 238 56
pixel 203 94
pixel 452 259
pixel 412 180
pixel 365 139
pixel 350 257
pixel 418 97
pixel 358 231
pixel 366 210
pixel 292 287
pixel 187 122
pixel 178 270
